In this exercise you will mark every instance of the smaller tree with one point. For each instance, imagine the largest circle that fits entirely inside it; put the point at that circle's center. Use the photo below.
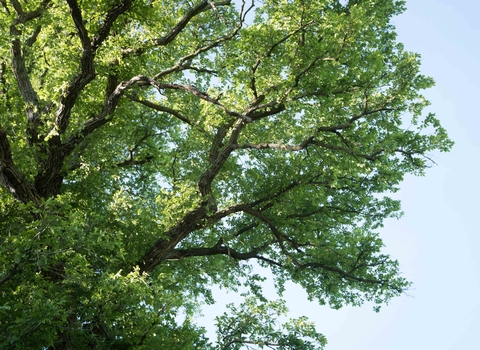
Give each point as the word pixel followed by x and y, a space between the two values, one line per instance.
pixel 256 324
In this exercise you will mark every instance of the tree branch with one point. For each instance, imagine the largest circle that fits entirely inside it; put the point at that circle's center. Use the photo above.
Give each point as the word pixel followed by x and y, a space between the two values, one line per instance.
pixel 131 160
pixel 89 47
pixel 29 95
pixel 182 64
pixel 110 18
pixel 268 53
pixel 160 108
pixel 218 157
pixel 354 118
pixel 200 94
pixel 341 272
pixel 27 92
pixel 101 119
pixel 11 178
pixel 48 180
pixel 191 13
pixel 304 145
pixel 13 271
pixel 24 17
pixel 192 221
pixel 276 233
pixel 218 249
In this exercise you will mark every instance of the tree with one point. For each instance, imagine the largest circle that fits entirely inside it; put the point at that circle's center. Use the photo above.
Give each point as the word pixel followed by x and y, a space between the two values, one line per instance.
pixel 151 149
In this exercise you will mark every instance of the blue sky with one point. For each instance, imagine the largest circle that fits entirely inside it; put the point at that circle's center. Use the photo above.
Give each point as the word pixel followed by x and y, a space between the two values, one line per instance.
pixel 438 240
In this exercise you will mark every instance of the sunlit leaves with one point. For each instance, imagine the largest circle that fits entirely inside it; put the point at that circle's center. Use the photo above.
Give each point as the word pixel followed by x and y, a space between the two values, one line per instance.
pixel 201 137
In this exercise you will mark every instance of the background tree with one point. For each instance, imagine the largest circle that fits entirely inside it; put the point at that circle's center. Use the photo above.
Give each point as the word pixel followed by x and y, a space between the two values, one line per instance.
pixel 150 149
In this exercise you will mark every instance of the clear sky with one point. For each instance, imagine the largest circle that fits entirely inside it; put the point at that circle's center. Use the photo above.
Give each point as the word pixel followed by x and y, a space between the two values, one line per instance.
pixel 438 240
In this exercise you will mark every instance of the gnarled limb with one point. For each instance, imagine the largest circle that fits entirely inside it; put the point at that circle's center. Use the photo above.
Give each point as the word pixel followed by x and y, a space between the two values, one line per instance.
pixel 89 48
pixel 28 93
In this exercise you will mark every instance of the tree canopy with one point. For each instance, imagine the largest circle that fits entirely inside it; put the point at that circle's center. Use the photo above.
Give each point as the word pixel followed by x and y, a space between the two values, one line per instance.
pixel 151 149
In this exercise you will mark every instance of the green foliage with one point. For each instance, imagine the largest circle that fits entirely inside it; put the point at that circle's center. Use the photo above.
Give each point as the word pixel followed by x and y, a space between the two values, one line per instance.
pixel 151 149
pixel 256 325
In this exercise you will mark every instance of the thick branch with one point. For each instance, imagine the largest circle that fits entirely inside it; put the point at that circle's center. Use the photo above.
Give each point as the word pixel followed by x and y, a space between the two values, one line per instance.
pixel 11 178
pixel 218 157
pixel 76 14
pixel 192 221
pixel 86 75
pixel 110 18
pixel 265 110
pixel 27 92
pixel 48 180
pixel 89 47
pixel 23 17
pixel 196 218
pixel 25 87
